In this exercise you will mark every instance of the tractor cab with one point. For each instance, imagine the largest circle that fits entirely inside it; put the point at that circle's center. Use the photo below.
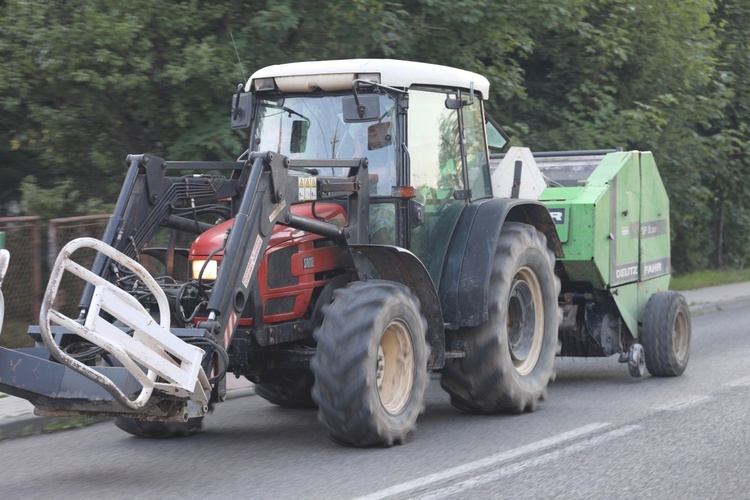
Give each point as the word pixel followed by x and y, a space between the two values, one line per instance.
pixel 420 126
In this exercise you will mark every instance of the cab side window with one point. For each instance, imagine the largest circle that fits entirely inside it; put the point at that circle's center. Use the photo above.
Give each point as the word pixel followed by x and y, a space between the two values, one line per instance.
pixel 476 151
pixel 436 173
pixel 434 134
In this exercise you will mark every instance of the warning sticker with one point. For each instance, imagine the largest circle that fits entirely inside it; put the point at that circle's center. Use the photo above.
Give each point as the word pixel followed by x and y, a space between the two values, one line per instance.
pixel 308 188
pixel 251 263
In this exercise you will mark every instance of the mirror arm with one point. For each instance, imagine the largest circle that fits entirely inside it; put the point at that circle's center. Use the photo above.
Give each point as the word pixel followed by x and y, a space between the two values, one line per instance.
pixel 360 108
pixel 236 108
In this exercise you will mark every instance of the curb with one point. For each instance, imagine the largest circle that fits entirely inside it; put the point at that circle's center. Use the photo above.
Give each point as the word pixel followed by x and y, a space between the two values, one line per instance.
pixel 30 424
pixel 700 309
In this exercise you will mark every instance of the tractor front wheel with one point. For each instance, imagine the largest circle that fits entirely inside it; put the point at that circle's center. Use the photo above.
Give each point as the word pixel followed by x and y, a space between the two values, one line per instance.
pixel 371 364
pixel 291 391
pixel 666 334
pixel 510 357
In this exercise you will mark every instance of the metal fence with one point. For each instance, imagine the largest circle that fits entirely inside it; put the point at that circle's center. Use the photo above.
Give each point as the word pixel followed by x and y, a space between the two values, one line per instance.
pixel 22 284
pixel 31 257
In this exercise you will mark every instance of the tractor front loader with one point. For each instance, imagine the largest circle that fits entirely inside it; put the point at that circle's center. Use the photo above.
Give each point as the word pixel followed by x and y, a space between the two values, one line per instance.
pixel 132 351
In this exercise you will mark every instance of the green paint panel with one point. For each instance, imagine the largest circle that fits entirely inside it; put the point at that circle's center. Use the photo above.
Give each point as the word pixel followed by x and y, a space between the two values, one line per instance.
pixel 649 287
pixel 655 235
pixel 626 298
pixel 625 217
pixel 614 228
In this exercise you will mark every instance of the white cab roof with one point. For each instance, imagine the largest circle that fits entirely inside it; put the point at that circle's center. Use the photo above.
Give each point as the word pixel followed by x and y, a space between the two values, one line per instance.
pixel 338 75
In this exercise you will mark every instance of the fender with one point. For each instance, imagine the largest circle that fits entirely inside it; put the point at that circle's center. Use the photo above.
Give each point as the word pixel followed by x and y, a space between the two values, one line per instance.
pixel 464 286
pixel 397 264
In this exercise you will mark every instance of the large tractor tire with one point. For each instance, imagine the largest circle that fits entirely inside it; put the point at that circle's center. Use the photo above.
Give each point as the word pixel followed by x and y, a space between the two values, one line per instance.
pixel 510 357
pixel 371 364
pixel 156 429
pixel 293 391
pixel 666 334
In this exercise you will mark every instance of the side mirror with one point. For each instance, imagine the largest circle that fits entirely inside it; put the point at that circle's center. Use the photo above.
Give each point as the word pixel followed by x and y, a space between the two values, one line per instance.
pixel 452 103
pixel 299 136
pixel 458 103
pixel 361 108
pixel 242 109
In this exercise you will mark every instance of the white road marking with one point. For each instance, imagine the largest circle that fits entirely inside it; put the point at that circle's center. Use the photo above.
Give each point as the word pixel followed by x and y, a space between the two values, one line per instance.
pixel 459 489
pixel 742 382
pixel 684 404
pixel 485 462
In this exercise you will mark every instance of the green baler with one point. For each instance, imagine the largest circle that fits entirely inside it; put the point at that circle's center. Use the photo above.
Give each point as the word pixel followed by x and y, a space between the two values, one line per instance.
pixel 612 215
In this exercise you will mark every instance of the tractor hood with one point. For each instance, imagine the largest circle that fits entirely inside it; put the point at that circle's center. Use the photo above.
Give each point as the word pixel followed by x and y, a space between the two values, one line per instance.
pixel 214 237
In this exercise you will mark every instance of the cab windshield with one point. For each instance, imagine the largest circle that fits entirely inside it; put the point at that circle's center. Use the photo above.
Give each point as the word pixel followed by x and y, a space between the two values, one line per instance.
pixel 312 127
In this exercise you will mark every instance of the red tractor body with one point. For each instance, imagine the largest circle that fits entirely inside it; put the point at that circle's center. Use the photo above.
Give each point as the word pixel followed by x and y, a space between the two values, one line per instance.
pixel 295 264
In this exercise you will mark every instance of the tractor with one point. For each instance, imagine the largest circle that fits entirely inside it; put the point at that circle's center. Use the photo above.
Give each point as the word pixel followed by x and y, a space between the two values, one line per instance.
pixel 358 244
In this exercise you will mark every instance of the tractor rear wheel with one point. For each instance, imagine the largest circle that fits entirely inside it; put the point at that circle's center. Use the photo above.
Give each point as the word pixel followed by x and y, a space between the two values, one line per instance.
pixel 510 357
pixel 371 364
pixel 666 334
pixel 293 391
pixel 156 429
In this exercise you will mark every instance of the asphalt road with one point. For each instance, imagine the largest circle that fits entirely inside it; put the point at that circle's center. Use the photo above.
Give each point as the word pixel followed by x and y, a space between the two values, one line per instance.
pixel 600 434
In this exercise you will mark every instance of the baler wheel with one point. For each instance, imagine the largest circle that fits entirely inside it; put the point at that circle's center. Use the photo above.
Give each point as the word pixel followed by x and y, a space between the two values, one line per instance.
pixel 510 357
pixel 371 364
pixel 666 334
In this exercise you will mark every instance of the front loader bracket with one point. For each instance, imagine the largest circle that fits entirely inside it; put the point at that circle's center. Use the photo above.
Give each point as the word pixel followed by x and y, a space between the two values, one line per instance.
pixel 153 357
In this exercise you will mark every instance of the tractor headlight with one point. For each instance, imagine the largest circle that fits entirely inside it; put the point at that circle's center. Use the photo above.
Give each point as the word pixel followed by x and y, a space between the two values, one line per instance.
pixel 209 273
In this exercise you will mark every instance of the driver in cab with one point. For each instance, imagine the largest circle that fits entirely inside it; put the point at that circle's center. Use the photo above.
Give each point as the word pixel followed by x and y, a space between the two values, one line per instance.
pixel 376 147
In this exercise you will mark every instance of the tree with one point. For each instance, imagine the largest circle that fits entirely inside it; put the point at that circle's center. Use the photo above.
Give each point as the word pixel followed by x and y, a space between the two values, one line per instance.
pixel 84 83
pixel 727 174
pixel 94 81
pixel 634 74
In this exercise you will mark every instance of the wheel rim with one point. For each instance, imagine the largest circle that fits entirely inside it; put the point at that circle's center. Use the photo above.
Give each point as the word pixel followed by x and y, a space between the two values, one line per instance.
pixel 525 321
pixel 680 336
pixel 395 367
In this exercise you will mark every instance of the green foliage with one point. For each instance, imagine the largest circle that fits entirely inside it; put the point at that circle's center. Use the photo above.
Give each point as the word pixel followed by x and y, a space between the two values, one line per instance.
pixel 94 81
pixel 86 82
pixel 728 174
pixel 634 74
pixel 63 200
pixel 14 334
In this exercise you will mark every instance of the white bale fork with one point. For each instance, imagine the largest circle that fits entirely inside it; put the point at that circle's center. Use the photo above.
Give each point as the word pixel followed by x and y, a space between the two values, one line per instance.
pixel 155 357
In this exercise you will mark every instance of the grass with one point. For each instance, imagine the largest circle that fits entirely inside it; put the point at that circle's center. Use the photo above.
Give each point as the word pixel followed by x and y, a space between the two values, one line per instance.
pixel 709 277
pixel 63 423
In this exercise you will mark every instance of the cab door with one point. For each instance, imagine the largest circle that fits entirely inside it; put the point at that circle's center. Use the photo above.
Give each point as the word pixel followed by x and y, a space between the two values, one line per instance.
pixel 434 139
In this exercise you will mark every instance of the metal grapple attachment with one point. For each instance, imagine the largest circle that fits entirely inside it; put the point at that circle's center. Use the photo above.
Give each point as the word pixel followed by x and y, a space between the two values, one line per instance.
pixel 160 376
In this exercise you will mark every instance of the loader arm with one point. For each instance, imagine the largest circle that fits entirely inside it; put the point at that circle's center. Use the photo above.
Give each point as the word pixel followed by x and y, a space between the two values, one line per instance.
pixel 269 194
